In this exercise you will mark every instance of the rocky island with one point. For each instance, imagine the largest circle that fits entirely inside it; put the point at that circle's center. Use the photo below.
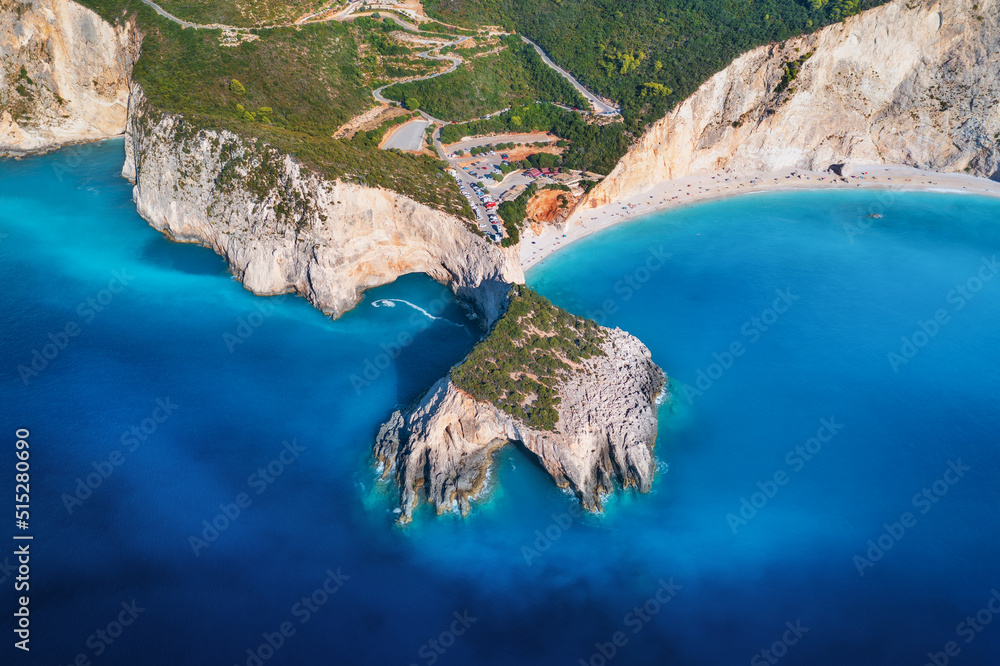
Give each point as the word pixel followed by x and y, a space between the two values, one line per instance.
pixel 580 397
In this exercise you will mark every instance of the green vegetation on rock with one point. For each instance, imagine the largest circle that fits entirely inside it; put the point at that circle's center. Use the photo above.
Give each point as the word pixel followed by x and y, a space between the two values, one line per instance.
pixel 312 80
pixel 533 348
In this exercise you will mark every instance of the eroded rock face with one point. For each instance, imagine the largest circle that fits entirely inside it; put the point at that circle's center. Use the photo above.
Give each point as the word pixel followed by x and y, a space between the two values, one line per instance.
pixel 441 447
pixel 285 228
pixel 64 75
pixel 912 82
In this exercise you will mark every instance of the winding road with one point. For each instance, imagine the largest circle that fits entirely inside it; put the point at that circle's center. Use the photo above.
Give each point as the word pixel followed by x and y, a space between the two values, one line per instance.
pixel 455 62
pixel 600 106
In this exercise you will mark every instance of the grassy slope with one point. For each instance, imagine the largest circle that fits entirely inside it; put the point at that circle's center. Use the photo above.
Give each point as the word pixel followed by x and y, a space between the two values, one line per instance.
pixel 529 352
pixel 313 77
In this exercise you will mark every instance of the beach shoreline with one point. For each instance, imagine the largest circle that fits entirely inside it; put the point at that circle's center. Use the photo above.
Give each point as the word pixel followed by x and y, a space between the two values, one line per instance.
pixel 707 187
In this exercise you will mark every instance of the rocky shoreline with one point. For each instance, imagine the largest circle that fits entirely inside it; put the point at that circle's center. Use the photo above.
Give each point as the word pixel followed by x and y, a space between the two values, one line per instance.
pixel 859 89
pixel 284 228
pixel 439 449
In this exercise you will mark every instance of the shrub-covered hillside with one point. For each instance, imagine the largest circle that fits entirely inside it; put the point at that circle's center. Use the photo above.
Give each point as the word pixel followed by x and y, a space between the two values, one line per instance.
pixel 531 350
pixel 481 85
pixel 648 54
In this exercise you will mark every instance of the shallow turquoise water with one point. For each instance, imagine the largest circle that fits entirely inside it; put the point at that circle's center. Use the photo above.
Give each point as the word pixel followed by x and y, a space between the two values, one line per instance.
pixel 536 582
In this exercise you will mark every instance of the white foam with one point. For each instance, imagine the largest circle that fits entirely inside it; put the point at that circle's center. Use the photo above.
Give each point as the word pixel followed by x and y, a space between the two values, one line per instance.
pixel 391 303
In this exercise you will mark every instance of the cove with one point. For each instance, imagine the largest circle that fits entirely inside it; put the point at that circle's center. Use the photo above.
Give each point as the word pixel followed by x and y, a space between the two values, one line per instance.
pixel 311 569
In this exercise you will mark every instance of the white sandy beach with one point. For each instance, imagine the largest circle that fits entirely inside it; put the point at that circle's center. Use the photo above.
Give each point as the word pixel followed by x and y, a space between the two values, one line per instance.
pixel 703 187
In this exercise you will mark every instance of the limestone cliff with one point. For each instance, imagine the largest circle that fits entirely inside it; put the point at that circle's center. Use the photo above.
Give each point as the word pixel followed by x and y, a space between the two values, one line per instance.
pixel 285 228
pixel 912 82
pixel 440 448
pixel 64 75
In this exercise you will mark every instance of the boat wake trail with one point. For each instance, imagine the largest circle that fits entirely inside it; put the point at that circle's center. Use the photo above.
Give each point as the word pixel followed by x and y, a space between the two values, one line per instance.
pixel 391 303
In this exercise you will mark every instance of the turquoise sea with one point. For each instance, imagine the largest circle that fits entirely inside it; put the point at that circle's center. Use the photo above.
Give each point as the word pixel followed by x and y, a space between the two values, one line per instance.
pixel 201 492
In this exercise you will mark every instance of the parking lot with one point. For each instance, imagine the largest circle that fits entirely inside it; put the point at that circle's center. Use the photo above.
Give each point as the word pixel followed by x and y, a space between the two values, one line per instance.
pixel 483 204
pixel 471 170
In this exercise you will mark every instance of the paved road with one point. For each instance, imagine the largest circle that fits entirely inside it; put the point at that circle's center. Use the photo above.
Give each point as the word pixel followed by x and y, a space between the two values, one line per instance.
pixel 600 106
pixel 455 62
pixel 392 17
pixel 167 15
pixel 409 136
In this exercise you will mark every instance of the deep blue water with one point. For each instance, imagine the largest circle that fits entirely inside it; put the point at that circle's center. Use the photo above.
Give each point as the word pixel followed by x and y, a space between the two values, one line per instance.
pixel 241 375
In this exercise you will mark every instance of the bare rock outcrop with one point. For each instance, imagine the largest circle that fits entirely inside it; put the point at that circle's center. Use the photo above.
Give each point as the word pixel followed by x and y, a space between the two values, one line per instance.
pixel 283 227
pixel 440 448
pixel 912 82
pixel 64 75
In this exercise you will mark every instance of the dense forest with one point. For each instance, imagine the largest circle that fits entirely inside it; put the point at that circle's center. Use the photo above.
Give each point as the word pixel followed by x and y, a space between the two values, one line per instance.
pixel 648 55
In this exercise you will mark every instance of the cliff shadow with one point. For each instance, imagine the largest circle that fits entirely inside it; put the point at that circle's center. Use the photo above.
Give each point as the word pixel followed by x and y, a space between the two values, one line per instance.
pixel 427 349
pixel 184 257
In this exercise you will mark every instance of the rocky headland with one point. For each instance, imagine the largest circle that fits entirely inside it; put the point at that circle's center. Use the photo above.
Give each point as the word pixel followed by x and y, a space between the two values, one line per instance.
pixel 283 227
pixel 910 83
pixel 580 397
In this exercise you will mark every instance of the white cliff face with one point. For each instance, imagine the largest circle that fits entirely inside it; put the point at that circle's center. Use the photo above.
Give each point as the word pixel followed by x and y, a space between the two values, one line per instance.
pixel 284 228
pixel 913 82
pixel 64 75
pixel 441 448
